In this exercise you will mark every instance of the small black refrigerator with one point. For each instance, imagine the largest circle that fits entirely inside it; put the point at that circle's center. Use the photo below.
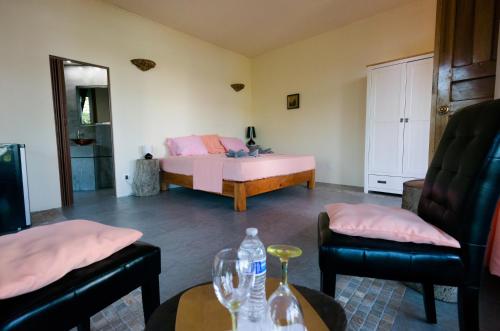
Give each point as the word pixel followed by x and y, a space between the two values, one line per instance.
pixel 14 198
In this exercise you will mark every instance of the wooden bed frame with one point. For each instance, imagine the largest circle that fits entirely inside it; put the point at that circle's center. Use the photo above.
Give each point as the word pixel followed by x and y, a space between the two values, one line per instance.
pixel 241 190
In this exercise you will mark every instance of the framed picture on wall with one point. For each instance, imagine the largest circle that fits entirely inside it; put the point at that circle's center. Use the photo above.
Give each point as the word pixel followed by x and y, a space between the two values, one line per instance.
pixel 292 101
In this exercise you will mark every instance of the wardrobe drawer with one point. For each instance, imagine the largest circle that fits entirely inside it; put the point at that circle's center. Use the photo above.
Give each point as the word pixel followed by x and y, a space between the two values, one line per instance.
pixel 381 182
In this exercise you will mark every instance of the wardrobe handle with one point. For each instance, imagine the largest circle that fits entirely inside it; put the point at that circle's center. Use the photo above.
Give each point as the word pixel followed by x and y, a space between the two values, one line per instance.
pixel 381 181
pixel 401 120
pixel 406 120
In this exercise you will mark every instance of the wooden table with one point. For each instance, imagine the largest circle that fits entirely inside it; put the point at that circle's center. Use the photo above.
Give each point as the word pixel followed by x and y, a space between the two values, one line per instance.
pixel 165 316
pixel 412 190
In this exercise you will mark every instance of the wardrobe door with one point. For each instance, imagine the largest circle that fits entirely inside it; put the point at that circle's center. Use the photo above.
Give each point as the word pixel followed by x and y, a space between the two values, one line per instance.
pixel 386 113
pixel 417 118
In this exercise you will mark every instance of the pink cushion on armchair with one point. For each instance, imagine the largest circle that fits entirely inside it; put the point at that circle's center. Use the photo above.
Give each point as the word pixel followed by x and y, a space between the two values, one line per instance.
pixel 36 257
pixel 380 222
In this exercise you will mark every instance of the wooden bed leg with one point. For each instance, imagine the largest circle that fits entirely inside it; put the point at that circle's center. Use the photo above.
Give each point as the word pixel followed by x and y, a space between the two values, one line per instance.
pixel 311 183
pixel 240 197
pixel 164 186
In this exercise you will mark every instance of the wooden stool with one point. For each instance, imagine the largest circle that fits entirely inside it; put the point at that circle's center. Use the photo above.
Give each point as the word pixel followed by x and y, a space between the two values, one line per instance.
pixel 146 178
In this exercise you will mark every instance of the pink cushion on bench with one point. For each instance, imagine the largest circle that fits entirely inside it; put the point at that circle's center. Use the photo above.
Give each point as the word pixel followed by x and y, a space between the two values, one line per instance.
pixel 34 258
pixel 380 222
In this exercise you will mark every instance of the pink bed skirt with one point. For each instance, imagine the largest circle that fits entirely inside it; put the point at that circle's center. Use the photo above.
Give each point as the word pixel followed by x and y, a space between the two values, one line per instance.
pixel 493 256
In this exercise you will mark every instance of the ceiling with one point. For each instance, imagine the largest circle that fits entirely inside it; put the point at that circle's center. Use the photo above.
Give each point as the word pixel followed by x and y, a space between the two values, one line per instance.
pixel 252 27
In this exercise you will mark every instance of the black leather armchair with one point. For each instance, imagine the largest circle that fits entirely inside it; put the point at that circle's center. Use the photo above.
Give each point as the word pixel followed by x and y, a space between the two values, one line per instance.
pixel 73 299
pixel 461 190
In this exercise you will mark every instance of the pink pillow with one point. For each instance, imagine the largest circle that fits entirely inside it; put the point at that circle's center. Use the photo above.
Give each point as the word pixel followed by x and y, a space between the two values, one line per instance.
pixel 212 143
pixel 379 222
pixel 34 258
pixel 234 144
pixel 189 145
pixel 172 148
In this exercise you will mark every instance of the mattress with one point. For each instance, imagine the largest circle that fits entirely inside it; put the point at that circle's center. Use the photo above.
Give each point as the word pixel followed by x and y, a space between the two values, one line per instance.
pixel 244 169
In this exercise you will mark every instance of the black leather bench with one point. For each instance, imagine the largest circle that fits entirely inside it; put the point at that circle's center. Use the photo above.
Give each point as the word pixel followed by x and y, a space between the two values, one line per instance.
pixel 73 299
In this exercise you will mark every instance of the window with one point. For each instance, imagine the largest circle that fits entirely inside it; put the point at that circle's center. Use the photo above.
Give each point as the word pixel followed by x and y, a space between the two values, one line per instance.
pixel 86 119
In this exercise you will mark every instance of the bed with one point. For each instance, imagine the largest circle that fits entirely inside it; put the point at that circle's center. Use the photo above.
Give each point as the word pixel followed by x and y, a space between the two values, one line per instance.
pixel 238 178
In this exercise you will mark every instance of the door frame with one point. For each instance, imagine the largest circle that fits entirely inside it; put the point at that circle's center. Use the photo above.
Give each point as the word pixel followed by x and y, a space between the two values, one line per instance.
pixel 443 48
pixel 61 125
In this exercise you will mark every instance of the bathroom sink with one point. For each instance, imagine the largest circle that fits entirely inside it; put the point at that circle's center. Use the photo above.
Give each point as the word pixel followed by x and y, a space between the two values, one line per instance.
pixel 82 141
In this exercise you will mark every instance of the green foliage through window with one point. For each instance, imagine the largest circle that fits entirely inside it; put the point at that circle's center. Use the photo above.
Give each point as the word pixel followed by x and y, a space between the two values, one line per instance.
pixel 86 112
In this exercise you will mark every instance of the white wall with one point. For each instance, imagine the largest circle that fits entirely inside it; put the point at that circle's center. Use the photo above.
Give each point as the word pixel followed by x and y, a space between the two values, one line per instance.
pixel 188 92
pixel 329 72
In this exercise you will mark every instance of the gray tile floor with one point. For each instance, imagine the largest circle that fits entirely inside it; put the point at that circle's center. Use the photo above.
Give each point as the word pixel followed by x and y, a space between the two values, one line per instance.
pixel 191 227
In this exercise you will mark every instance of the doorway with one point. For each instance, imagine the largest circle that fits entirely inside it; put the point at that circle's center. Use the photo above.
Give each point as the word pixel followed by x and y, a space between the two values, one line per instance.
pixel 82 109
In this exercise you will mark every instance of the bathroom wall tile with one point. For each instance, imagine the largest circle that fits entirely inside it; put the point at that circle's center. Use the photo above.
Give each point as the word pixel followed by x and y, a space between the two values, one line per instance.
pixel 83 174
pixel 82 151
pixel 104 172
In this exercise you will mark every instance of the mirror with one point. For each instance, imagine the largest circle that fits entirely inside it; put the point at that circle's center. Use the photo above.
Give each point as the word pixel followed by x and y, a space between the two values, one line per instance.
pixel 93 104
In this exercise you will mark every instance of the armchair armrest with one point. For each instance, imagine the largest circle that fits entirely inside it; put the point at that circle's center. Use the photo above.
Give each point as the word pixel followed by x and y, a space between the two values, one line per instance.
pixel 324 232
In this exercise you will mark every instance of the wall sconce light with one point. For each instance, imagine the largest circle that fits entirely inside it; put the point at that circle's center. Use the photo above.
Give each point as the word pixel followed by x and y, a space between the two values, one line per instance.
pixel 238 87
pixel 143 64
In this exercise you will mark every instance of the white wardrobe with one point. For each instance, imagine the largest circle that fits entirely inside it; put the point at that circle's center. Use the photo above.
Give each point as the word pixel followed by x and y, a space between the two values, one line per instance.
pixel 397 123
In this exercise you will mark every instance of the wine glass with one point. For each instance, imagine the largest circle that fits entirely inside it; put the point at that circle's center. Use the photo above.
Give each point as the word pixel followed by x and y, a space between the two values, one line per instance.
pixel 285 312
pixel 232 280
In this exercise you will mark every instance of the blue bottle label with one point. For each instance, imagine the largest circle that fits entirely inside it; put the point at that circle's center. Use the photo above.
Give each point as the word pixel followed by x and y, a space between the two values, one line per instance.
pixel 259 267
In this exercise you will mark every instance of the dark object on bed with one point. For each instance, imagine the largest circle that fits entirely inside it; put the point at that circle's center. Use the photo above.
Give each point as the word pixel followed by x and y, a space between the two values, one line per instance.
pixel 267 150
pixel 460 193
pixel 73 299
pixel 242 153
pixel 261 150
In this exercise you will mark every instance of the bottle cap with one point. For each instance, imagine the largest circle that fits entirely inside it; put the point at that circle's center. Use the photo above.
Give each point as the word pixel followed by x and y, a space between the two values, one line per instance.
pixel 252 232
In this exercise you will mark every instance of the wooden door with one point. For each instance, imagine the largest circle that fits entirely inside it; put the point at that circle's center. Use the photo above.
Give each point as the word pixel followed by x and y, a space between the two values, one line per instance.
pixel 465 58
pixel 387 97
pixel 417 118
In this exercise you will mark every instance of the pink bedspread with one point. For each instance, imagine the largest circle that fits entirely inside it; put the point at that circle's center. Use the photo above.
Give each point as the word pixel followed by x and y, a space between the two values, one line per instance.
pixel 207 174
pixel 243 169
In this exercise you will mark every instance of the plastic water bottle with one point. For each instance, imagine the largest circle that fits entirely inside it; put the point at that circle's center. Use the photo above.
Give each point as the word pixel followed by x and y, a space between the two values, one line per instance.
pixel 254 310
